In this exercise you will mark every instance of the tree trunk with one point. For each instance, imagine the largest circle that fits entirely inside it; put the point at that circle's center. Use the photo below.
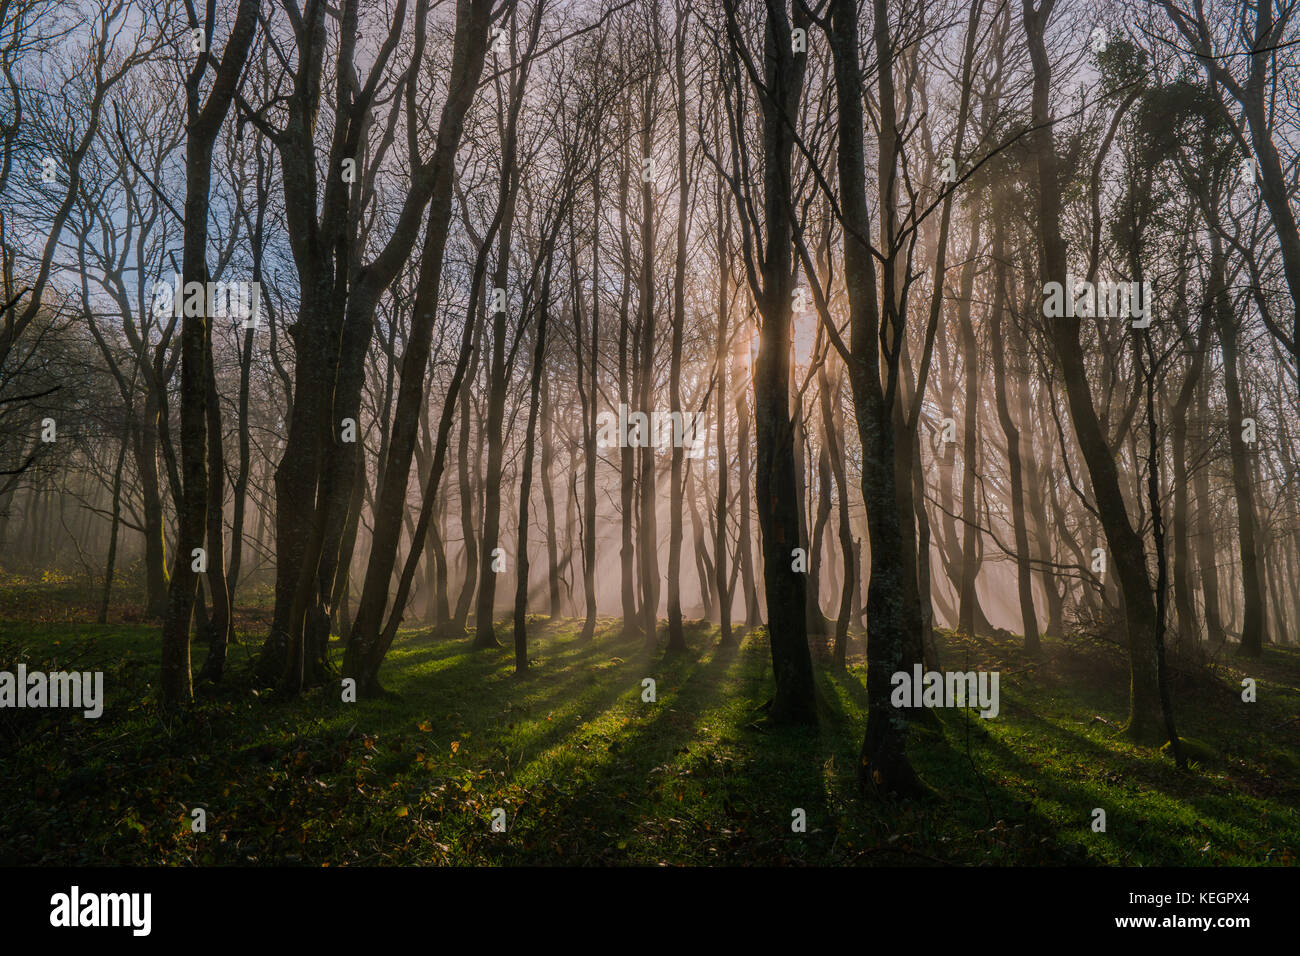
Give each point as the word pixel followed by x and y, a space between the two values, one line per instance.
pixel 1184 596
pixel 676 636
pixel 366 646
pixel 588 395
pixel 1127 553
pixel 969 608
pixel 111 560
pixel 1253 618
pixel 721 502
pixel 627 465
pixel 1024 577
pixel 548 499
pixel 203 124
pixel 468 486
pixel 745 499
pixel 648 501
pixel 221 627
pixel 155 545
pixel 525 487
pixel 775 483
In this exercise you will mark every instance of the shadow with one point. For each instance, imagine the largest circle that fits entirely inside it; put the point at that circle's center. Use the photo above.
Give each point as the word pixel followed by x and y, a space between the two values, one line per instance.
pixel 664 781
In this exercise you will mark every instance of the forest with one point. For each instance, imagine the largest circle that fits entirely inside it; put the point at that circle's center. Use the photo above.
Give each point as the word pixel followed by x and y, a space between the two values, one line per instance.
pixel 639 432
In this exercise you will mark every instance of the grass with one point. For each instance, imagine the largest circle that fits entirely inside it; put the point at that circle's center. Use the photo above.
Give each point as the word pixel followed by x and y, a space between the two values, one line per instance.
pixel 587 772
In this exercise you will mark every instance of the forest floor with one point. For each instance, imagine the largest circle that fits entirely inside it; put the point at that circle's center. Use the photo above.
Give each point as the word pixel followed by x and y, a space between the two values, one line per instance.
pixel 588 772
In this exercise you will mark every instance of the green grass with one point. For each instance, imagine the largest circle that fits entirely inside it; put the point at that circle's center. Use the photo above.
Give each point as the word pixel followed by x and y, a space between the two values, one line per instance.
pixel 589 773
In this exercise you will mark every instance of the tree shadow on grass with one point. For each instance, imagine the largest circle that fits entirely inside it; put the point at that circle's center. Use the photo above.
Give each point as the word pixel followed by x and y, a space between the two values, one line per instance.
pixel 661 782
pixel 1047 807
pixel 463 691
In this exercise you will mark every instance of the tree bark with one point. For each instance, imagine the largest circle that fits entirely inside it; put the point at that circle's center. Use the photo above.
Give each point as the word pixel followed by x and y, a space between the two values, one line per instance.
pixel 111 559
pixel 366 646
pixel 525 487
pixel 548 499
pixel 1024 577
pixel 204 121
pixel 883 762
pixel 1253 614
pixel 775 485
pixel 1125 545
